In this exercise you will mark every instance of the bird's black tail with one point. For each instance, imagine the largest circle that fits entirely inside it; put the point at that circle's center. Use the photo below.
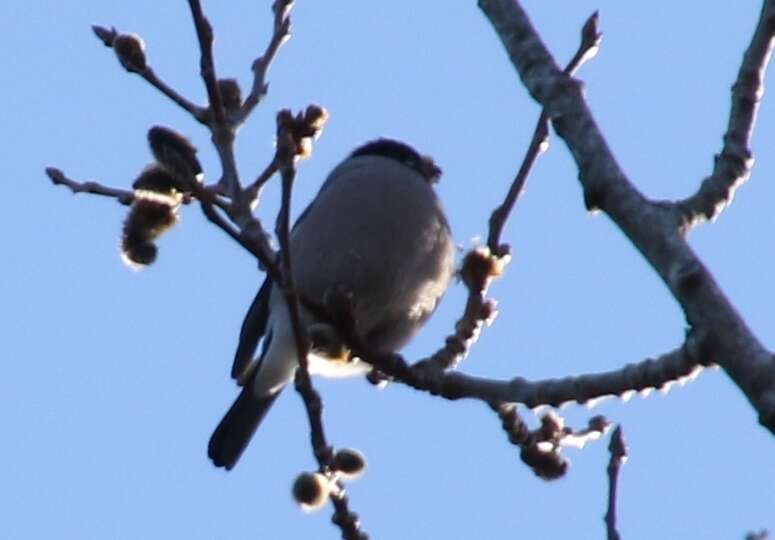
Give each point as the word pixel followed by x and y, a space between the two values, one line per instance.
pixel 237 427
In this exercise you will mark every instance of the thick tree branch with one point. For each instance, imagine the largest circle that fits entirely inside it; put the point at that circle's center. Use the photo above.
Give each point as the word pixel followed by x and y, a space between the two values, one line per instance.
pixel 733 165
pixel 677 366
pixel 654 228
pixel 644 376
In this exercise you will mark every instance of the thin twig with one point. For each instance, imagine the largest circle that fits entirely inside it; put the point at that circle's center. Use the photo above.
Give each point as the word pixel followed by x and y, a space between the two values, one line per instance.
pixel 590 41
pixel 477 272
pixel 618 450
pixel 303 382
pixel 252 238
pixel 223 131
pixel 136 62
pixel 484 266
pixel 58 178
pixel 280 34
pixel 204 34
pixel 199 113
pixel 252 193
pixel 343 517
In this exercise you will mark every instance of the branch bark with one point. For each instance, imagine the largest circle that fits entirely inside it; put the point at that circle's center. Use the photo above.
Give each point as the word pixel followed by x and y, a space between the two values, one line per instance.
pixel 656 229
pixel 733 165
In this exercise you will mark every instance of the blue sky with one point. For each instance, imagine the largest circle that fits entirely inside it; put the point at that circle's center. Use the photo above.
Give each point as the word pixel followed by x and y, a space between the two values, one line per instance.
pixel 113 380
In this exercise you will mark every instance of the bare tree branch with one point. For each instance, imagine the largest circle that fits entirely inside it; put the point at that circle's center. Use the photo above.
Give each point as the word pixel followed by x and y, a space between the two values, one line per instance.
pixel 204 34
pixel 58 178
pixel 291 130
pixel 670 368
pixel 280 34
pixel 590 41
pixel 481 266
pixel 733 165
pixel 199 113
pixel 252 193
pixel 618 449
pixel 654 228
pixel 109 36
pixel 717 333
pixel 223 131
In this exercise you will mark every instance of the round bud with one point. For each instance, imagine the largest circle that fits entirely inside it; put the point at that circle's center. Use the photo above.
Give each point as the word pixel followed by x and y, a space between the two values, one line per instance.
pixel 349 462
pixel 315 116
pixel 231 95
pixel 310 490
pixel 130 50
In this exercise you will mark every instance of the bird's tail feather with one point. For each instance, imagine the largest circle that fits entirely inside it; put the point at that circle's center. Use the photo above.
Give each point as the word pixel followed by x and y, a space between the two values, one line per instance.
pixel 237 427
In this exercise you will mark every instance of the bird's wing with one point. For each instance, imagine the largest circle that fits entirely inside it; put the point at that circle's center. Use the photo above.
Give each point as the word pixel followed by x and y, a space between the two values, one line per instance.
pixel 254 325
pixel 253 329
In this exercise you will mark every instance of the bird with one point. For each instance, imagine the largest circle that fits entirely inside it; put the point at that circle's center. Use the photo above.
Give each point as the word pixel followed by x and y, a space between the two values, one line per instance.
pixel 376 230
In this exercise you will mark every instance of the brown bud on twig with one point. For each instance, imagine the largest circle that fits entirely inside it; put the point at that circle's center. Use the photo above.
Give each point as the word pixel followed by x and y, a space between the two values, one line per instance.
pixel 176 154
pixel 349 462
pixel 310 490
pixel 480 266
pixel 296 133
pixel 547 464
pixel 231 95
pixel 315 118
pixel 130 50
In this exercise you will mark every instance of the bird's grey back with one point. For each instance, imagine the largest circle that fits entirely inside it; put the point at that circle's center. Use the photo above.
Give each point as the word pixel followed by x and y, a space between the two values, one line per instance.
pixel 387 242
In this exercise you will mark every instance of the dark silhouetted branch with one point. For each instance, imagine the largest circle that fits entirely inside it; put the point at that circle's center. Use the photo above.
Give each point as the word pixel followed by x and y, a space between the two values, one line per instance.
pixel 196 111
pixel 654 228
pixel 130 50
pixel 590 41
pixel 291 145
pixel 280 34
pixel 618 449
pixel 204 34
pixel 58 178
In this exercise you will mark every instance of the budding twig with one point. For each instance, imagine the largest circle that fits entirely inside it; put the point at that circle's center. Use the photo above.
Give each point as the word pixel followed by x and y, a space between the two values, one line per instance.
pixel 58 178
pixel 590 41
pixel 204 34
pixel 618 449
pixel 293 136
pixel 280 34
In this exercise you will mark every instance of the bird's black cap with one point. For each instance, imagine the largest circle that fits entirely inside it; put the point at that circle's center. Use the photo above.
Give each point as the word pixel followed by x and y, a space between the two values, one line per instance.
pixel 403 153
